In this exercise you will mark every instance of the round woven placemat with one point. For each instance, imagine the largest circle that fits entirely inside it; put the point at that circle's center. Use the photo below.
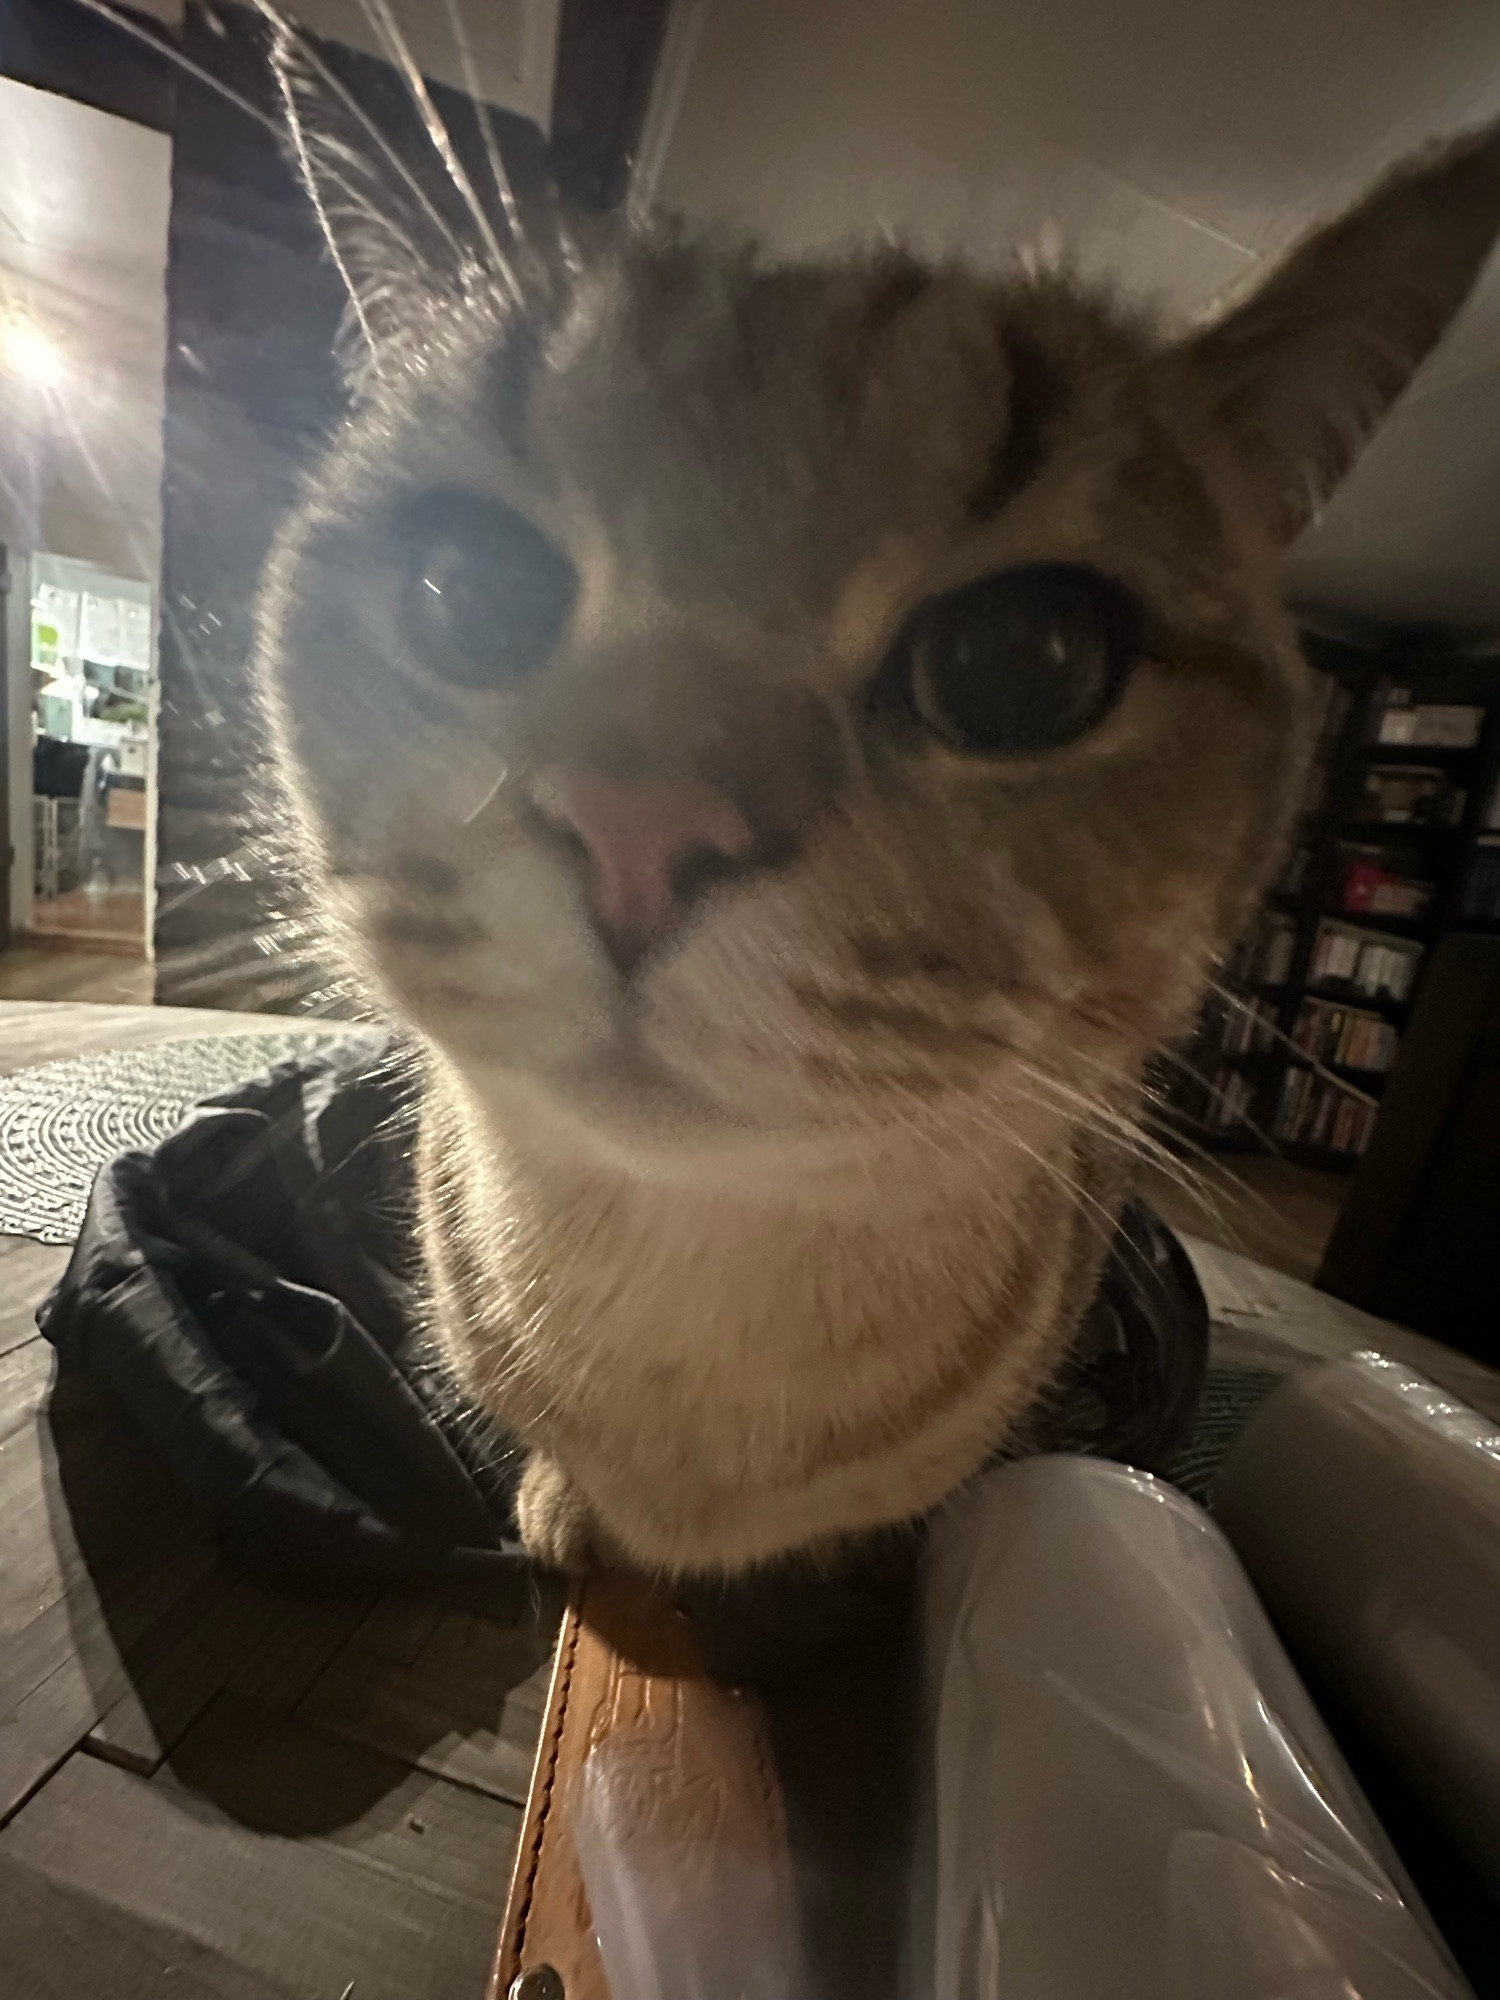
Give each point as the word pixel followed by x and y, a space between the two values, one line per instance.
pixel 1230 1398
pixel 62 1121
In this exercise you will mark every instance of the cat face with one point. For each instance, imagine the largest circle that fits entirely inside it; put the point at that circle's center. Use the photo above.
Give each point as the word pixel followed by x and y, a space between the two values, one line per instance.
pixel 770 695
pixel 735 700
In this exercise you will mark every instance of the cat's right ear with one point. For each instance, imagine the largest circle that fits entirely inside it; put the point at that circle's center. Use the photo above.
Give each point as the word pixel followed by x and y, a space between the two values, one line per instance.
pixel 1300 373
pixel 397 254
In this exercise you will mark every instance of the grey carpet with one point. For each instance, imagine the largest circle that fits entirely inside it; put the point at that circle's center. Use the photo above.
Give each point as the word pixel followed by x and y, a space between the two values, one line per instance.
pixel 60 1122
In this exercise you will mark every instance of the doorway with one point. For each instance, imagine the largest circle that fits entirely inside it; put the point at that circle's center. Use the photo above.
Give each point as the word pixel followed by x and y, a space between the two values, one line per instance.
pixel 84 201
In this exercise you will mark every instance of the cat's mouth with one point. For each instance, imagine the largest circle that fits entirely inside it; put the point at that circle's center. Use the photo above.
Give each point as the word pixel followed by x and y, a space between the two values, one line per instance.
pixel 639 1074
pixel 739 1029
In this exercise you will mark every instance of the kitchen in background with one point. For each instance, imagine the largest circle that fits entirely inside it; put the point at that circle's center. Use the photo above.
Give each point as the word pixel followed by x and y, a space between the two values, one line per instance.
pixel 93 775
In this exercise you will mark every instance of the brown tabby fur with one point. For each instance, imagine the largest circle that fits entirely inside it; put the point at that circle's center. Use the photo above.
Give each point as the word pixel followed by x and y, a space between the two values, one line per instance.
pixel 780 1244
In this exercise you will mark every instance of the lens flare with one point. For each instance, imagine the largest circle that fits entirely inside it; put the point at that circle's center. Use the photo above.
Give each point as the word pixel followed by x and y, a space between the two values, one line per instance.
pixel 31 354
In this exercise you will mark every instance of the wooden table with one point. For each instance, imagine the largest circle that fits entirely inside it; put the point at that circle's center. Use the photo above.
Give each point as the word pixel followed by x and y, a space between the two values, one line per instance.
pixel 212 1790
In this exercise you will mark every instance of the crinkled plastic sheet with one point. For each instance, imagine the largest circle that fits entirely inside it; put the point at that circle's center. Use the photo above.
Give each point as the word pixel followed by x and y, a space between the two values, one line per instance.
pixel 1365 1503
pixel 689 1878
pixel 1132 1797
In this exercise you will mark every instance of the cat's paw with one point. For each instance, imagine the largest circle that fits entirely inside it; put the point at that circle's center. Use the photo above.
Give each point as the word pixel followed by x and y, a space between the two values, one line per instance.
pixel 553 1517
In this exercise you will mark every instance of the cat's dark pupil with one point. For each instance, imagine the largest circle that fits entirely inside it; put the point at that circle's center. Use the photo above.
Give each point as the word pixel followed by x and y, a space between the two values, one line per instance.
pixel 1022 661
pixel 486 593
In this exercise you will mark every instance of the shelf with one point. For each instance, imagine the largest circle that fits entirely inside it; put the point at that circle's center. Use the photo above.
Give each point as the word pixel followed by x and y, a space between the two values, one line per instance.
pixel 1263 989
pixel 1412 927
pixel 1302 1155
pixel 1217 1138
pixel 1373 1003
pixel 1393 829
pixel 1417 753
pixel 1367 1080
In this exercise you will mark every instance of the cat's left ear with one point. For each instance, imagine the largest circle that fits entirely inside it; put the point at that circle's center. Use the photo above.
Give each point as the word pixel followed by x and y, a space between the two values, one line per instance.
pixel 399 256
pixel 1301 373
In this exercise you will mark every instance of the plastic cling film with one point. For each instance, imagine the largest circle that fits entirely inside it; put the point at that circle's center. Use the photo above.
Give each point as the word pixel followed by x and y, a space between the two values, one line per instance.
pixel 1128 1793
pixel 682 1843
pixel 1133 1796
pixel 1244 1927
pixel 1366 1505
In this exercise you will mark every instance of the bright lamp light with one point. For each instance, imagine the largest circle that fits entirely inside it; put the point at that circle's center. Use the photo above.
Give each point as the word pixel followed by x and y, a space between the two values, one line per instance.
pixel 30 354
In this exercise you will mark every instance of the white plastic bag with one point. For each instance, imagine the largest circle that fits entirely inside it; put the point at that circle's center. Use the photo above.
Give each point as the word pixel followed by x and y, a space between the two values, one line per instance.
pixel 1366 1505
pixel 1134 1798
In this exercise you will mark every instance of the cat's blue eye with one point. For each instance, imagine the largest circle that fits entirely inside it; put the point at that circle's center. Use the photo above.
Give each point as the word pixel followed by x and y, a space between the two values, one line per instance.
pixel 486 595
pixel 1022 661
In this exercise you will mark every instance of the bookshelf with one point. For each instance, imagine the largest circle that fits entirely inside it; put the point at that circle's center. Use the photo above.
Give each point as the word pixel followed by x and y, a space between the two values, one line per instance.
pixel 1397 841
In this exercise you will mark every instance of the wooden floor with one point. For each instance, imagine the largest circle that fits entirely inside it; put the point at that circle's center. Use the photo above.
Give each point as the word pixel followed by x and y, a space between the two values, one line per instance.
pixel 56 972
pixel 116 918
pixel 210 1789
pixel 1280 1214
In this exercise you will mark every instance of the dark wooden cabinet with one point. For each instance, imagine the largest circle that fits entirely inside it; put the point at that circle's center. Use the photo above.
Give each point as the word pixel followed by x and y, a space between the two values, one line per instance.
pixel 1418 1239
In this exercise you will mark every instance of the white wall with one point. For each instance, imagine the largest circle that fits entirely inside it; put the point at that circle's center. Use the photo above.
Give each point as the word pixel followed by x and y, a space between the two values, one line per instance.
pixel 83 248
pixel 83 242
pixel 511 45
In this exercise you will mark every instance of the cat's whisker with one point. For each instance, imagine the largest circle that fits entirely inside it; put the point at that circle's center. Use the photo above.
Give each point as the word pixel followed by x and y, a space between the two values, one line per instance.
pixel 294 49
pixel 1092 1212
pixel 1240 1191
pixel 1099 1219
pixel 170 53
pixel 501 776
pixel 1217 1096
pixel 383 21
pixel 1144 1146
pixel 1110 1120
pixel 1280 1035
pixel 458 27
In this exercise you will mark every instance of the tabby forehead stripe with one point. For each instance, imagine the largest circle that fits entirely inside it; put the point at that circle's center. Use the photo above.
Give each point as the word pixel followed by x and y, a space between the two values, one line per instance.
pixel 1037 395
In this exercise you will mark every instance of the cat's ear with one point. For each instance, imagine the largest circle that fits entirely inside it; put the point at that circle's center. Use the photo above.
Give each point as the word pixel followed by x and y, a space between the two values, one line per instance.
pixel 1303 370
pixel 397 253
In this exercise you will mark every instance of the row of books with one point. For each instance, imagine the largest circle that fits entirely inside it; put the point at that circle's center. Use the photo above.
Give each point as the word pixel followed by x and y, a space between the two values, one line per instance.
pixel 1438 725
pixel 1410 795
pixel 1264 955
pixel 1368 963
pixel 1346 1035
pixel 1368 882
pixel 1229 1099
pixel 1336 701
pixel 1249 1028
pixel 1480 895
pixel 1312 1112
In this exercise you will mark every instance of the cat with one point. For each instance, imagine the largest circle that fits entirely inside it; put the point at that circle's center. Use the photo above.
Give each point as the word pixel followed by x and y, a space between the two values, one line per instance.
pixel 791 741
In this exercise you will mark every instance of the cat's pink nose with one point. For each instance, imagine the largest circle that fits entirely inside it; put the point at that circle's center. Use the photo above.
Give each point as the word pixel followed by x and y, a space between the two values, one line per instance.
pixel 647 848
